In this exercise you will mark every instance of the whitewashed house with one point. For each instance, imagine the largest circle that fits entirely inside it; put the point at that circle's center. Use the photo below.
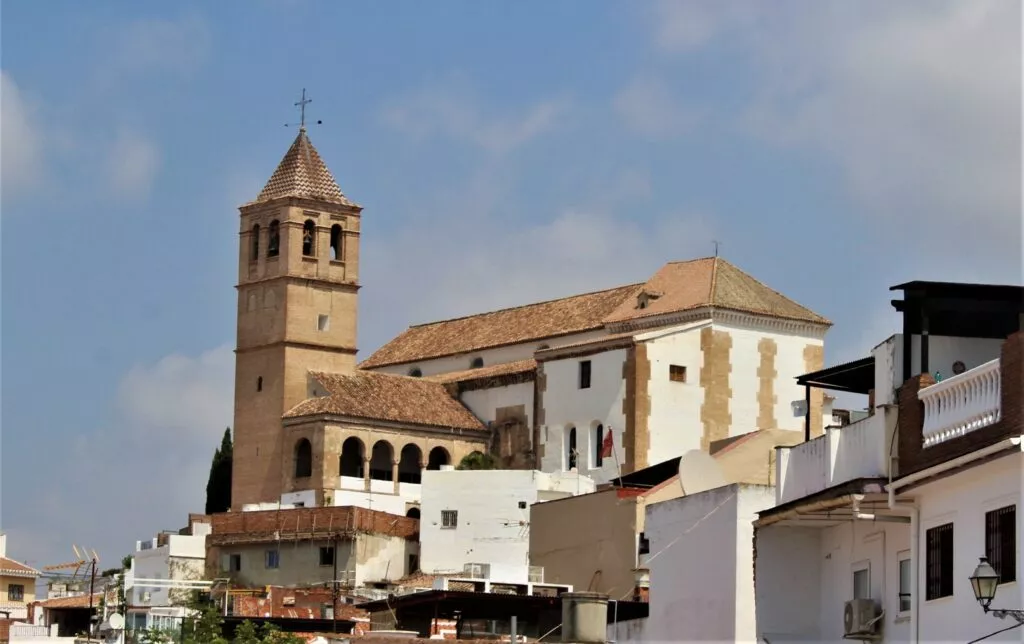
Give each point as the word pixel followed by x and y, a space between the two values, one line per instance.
pixel 160 568
pixel 477 522
pixel 879 526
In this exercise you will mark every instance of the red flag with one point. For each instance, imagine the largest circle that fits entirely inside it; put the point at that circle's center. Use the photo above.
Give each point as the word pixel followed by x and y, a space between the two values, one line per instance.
pixel 608 444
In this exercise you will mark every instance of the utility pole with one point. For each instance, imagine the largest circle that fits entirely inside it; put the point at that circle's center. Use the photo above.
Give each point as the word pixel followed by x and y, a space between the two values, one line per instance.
pixel 334 593
pixel 92 586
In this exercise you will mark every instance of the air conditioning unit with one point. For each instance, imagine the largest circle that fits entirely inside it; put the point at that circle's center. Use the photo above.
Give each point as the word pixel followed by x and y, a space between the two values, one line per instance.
pixel 536 574
pixel 477 571
pixel 860 619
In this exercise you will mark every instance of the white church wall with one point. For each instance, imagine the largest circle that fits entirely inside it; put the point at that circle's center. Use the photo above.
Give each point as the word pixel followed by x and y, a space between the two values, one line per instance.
pixel 566 405
pixel 484 403
pixel 745 383
pixel 492 356
pixel 674 423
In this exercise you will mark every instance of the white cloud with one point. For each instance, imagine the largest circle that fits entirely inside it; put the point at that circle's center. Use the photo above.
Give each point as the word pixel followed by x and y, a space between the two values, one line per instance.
pixel 649 107
pixel 133 161
pixel 21 143
pixel 918 104
pixel 154 46
pixel 450 109
pixel 143 472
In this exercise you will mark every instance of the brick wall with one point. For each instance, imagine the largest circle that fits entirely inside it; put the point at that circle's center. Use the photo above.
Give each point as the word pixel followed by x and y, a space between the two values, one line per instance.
pixel 914 457
pixel 254 526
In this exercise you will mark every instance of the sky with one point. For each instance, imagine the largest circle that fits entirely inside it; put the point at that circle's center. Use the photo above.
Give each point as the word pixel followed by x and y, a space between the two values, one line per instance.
pixel 504 153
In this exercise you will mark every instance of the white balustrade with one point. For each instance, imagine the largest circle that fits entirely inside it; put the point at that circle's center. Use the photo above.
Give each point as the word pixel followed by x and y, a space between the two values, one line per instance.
pixel 961 404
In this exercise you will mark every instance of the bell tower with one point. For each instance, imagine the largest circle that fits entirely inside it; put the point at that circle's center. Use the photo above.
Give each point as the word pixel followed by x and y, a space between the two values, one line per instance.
pixel 298 279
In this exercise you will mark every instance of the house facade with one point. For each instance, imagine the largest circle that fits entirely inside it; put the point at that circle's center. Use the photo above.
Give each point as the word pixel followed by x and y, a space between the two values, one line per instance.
pixel 17 584
pixel 879 526
pixel 478 522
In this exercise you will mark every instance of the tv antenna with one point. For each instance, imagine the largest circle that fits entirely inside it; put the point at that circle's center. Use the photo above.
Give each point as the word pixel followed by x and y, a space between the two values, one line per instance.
pixel 301 104
pixel 717 244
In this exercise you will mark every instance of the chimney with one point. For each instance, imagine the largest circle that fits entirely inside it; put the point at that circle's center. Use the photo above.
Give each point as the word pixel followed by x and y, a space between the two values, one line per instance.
pixel 584 618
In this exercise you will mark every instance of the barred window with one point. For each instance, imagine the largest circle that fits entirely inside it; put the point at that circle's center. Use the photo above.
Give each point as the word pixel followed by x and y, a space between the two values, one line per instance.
pixel 449 518
pixel 939 561
pixel 1001 542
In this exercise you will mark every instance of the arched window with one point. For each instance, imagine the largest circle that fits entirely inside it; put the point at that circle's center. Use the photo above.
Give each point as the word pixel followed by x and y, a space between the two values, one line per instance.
pixel 438 456
pixel 476 363
pixel 381 460
pixel 416 372
pixel 352 455
pixel 303 459
pixel 254 243
pixel 274 239
pixel 336 248
pixel 259 383
pixel 309 238
pixel 409 464
pixel 413 513
pixel 598 445
pixel 570 448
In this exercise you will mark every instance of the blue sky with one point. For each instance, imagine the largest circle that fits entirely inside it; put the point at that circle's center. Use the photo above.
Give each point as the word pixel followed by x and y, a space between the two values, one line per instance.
pixel 504 153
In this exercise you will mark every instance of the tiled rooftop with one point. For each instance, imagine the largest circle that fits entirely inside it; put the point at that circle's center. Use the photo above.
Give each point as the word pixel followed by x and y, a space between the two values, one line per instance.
pixel 379 396
pixel 302 173
pixel 14 568
pixel 493 371
pixel 537 322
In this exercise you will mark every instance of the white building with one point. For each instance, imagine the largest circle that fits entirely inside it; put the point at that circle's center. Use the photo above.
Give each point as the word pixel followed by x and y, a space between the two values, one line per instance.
pixel 699 353
pixel 158 565
pixel 879 525
pixel 478 521
pixel 701 568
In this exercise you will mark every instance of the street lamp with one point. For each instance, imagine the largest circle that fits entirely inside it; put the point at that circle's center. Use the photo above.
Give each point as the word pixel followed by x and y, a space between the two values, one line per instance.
pixel 984 582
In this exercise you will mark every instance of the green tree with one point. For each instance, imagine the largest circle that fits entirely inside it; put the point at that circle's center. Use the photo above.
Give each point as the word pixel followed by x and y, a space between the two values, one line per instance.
pixel 206 625
pixel 218 488
pixel 477 461
pixel 246 634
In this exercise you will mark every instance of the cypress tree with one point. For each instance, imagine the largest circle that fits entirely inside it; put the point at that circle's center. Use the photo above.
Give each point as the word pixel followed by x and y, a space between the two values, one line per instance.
pixel 218 487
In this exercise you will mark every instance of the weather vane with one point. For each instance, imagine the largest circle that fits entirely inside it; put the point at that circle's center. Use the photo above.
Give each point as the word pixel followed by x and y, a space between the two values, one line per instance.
pixel 717 244
pixel 301 104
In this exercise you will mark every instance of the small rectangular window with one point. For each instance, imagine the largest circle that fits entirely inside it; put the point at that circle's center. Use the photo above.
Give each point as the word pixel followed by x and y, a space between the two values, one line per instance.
pixel 273 558
pixel 414 564
pixel 862 583
pixel 326 555
pixel 585 374
pixel 234 563
pixel 522 505
pixel 676 373
pixel 1001 542
pixel 645 545
pixel 323 322
pixel 939 562
pixel 449 519
pixel 906 583
pixel 16 593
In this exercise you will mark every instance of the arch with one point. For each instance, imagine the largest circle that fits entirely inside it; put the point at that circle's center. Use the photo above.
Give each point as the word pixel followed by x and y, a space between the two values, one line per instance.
pixel 409 464
pixel 274 239
pixel 438 456
pixel 570 448
pixel 413 513
pixel 598 442
pixel 476 363
pixel 381 460
pixel 303 458
pixel 353 454
pixel 416 372
pixel 254 243
pixel 309 238
pixel 336 247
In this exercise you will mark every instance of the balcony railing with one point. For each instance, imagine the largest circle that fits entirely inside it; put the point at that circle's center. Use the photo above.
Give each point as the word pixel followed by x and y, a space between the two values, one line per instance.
pixel 961 404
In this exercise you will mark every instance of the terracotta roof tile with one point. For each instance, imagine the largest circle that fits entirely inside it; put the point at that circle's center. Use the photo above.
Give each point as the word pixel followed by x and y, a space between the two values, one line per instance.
pixel 538 321
pixel 16 569
pixel 302 173
pixel 615 339
pixel 381 396
pixel 493 371
pixel 711 281
pixel 75 601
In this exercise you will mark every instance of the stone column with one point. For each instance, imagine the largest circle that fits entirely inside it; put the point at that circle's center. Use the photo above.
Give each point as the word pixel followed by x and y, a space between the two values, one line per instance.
pixel 366 474
pixel 394 474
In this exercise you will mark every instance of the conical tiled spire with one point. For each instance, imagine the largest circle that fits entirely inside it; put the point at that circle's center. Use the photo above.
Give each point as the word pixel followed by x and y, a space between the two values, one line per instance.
pixel 302 173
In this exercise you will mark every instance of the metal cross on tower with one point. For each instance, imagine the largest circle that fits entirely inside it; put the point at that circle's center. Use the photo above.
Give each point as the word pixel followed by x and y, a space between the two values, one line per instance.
pixel 302 108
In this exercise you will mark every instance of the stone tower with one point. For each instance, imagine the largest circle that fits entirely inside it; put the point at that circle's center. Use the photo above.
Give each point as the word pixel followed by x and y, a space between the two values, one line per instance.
pixel 298 278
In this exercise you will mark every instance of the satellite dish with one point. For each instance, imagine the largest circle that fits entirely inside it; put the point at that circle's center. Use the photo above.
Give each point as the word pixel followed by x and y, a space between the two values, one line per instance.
pixel 698 472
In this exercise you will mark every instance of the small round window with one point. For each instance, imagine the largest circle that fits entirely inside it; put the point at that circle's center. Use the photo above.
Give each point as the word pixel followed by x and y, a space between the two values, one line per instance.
pixel 476 363
pixel 416 372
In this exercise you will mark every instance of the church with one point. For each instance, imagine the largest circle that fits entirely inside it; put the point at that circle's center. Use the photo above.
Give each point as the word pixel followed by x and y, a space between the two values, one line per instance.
pixel 602 383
